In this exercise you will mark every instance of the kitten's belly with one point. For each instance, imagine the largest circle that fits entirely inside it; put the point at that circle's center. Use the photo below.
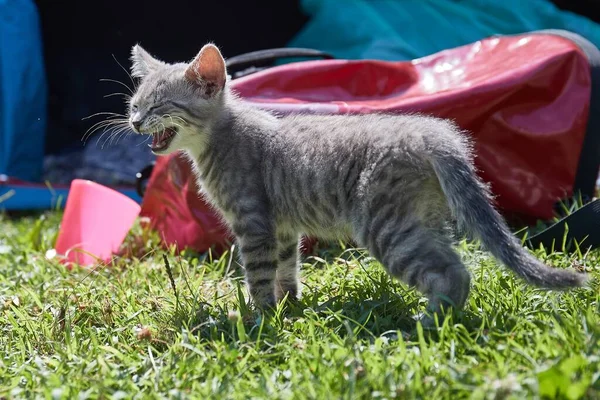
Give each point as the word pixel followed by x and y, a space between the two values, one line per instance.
pixel 325 230
pixel 335 232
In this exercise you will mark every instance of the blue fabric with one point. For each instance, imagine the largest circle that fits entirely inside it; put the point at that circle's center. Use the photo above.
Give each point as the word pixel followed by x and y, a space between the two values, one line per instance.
pixel 22 91
pixel 407 29
pixel 102 160
pixel 42 198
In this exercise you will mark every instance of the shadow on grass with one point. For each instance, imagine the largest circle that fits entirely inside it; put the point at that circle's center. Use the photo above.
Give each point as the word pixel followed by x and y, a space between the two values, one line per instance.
pixel 365 309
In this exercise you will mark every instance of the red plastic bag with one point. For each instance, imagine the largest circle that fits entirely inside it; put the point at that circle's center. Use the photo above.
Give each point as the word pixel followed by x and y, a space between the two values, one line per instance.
pixel 177 210
pixel 526 100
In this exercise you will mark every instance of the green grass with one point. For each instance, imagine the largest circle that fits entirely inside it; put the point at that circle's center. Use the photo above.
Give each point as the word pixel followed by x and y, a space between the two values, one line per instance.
pixel 123 332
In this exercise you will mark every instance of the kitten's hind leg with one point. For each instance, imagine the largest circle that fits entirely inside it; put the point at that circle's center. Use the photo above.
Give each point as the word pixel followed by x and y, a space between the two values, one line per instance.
pixel 287 282
pixel 420 257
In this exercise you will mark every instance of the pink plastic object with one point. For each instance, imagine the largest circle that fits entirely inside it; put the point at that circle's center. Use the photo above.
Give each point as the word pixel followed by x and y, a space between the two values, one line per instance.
pixel 95 223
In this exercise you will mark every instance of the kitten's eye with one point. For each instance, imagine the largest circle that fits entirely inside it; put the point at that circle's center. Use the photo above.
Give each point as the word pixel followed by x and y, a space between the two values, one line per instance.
pixel 134 108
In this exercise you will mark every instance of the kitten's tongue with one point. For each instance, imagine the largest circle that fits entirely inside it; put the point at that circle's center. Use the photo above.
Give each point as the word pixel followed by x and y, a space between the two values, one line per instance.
pixel 162 139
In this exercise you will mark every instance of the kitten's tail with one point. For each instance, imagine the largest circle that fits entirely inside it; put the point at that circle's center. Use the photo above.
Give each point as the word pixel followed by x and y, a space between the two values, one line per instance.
pixel 470 202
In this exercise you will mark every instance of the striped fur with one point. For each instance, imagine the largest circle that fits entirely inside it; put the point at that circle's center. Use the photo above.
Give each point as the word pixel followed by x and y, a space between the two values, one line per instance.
pixel 392 183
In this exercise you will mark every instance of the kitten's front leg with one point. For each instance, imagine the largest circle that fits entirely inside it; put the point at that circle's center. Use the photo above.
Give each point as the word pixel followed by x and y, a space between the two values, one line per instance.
pixel 288 268
pixel 259 255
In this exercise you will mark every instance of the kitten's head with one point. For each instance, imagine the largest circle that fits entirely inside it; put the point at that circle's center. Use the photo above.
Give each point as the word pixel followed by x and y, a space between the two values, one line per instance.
pixel 176 102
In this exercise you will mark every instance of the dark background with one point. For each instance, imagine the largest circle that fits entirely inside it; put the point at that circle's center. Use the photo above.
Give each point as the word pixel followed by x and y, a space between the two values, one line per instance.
pixel 81 36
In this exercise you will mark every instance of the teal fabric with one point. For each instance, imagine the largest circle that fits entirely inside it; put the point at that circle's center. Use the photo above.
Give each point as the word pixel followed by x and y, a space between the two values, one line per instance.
pixel 408 29
pixel 22 91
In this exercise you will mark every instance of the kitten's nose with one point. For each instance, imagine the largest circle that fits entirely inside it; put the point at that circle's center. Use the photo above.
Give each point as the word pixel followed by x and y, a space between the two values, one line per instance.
pixel 136 121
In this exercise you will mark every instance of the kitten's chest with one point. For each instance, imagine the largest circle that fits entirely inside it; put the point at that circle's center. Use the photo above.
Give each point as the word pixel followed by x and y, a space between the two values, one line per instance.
pixel 213 192
pixel 220 204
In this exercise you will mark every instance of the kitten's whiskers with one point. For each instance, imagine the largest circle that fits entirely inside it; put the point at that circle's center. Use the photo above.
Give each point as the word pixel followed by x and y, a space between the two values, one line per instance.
pixel 126 72
pixel 125 95
pixel 118 82
pixel 109 123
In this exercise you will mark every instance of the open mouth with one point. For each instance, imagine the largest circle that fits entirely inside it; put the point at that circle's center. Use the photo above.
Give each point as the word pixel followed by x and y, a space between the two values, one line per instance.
pixel 162 139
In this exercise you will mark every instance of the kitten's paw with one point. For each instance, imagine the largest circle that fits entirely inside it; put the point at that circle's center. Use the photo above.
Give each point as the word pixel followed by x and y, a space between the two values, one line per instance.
pixel 428 320
pixel 265 303
pixel 289 295
pixel 290 292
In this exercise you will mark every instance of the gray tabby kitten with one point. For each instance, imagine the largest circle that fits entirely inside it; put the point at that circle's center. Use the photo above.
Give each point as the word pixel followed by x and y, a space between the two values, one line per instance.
pixel 389 182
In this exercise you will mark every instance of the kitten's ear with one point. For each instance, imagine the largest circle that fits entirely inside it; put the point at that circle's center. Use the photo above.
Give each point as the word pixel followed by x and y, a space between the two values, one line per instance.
pixel 208 70
pixel 142 62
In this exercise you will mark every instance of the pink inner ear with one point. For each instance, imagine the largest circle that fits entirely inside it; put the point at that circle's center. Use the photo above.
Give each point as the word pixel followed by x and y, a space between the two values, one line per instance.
pixel 208 67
